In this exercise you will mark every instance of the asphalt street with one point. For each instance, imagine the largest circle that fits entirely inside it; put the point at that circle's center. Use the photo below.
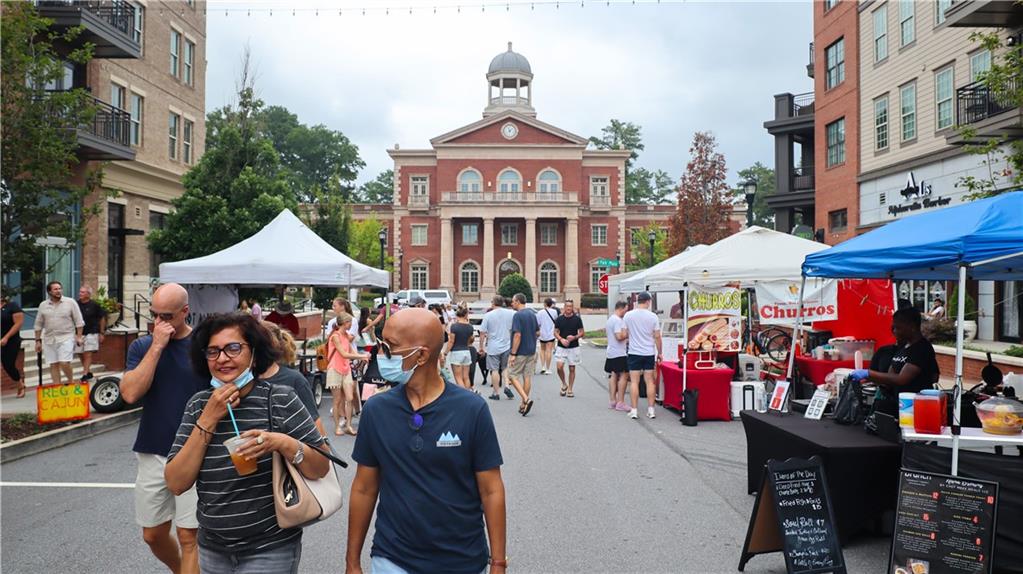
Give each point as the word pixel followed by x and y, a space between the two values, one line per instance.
pixel 588 490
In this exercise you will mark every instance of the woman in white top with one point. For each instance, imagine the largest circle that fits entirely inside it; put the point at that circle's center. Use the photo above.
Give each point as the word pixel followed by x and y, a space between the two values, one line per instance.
pixel 545 319
pixel 937 309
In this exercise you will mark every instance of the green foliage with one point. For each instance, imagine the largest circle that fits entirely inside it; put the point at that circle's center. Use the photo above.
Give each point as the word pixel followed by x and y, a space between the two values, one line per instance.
pixel 108 304
pixel 620 135
pixel 939 330
pixel 764 176
pixel 642 186
pixel 1014 351
pixel 953 306
pixel 1003 82
pixel 515 283
pixel 593 301
pixel 234 191
pixel 640 254
pixel 380 190
pixel 333 224
pixel 39 142
pixel 364 243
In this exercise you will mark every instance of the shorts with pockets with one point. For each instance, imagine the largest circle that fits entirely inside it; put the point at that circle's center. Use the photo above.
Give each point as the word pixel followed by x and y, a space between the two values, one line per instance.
pixel 497 362
pixel 155 504
pixel 59 352
pixel 89 345
pixel 641 362
pixel 616 365
pixel 522 367
pixel 460 358
pixel 336 380
pixel 561 355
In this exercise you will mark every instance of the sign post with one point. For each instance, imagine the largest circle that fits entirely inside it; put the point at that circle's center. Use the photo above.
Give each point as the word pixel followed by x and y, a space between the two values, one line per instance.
pixel 608 262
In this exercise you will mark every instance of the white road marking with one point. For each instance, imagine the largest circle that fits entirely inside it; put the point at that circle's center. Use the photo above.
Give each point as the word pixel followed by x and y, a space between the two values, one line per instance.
pixel 72 484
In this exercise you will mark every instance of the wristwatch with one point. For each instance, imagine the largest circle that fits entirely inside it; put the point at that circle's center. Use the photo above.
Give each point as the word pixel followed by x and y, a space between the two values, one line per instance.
pixel 299 454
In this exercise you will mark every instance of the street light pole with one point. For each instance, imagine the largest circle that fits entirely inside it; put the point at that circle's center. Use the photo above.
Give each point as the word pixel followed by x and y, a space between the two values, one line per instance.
pixel 382 236
pixel 651 236
pixel 750 188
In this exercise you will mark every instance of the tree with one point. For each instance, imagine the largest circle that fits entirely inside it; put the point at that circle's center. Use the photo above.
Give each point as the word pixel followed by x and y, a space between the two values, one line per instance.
pixel 37 192
pixel 515 283
pixel 621 135
pixel 643 186
pixel 364 243
pixel 380 190
pixel 1003 85
pixel 703 196
pixel 764 176
pixel 641 253
pixel 332 222
pixel 236 188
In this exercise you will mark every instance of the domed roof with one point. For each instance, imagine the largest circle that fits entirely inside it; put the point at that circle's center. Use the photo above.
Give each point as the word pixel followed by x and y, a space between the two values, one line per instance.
pixel 510 62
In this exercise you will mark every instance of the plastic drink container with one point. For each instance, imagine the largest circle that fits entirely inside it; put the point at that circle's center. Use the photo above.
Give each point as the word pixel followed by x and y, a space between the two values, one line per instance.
pixel 927 414
pixel 242 465
pixel 944 403
pixel 906 410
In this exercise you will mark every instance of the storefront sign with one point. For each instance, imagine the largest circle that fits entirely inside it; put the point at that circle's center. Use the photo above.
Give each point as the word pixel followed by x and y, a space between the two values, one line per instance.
pixel 777 303
pixel 715 319
pixel 204 300
pixel 56 403
pixel 943 525
pixel 925 203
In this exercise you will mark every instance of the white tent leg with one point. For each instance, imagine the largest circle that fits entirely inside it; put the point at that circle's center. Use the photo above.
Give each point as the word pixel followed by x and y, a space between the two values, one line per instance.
pixel 685 337
pixel 957 397
pixel 795 334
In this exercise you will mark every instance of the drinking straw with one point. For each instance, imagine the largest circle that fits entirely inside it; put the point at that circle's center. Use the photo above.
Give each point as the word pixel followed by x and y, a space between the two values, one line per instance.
pixel 233 422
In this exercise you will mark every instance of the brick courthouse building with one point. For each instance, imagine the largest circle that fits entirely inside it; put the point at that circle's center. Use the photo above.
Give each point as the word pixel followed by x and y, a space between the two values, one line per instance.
pixel 510 194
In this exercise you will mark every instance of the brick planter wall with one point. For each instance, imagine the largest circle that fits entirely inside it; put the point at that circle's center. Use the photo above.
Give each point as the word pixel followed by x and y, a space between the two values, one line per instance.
pixel 973 363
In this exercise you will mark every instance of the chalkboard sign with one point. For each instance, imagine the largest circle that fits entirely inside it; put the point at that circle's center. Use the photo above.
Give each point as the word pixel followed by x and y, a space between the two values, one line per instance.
pixel 793 514
pixel 944 525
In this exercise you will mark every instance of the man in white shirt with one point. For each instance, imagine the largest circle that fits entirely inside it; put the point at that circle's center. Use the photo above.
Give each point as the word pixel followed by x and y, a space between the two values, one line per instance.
pixel 545 318
pixel 495 344
pixel 616 364
pixel 58 329
pixel 644 332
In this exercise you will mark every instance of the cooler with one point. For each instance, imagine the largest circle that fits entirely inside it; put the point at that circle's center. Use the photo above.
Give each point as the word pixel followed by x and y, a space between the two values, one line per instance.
pixel 744 396
pixel 749 367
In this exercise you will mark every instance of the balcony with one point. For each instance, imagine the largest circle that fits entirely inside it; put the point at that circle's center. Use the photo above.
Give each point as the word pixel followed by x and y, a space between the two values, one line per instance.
pixel 108 24
pixel 812 61
pixel 793 114
pixel 984 14
pixel 802 178
pixel 988 114
pixel 106 137
pixel 600 202
pixel 419 202
pixel 513 197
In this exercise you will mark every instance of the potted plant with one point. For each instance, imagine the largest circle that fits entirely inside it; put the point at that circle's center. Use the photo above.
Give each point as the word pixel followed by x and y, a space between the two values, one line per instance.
pixel 108 304
pixel 970 318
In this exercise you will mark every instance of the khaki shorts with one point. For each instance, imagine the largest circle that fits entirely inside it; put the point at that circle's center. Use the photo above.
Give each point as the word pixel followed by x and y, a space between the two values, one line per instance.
pixel 89 345
pixel 336 380
pixel 522 367
pixel 59 352
pixel 154 503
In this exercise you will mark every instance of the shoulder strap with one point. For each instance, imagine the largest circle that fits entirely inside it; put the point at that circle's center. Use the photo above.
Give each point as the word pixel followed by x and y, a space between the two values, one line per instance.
pixel 548 311
pixel 269 415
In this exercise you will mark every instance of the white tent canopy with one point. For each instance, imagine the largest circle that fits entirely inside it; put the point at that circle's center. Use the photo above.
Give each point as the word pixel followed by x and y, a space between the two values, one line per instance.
pixel 285 252
pixel 754 255
pixel 637 280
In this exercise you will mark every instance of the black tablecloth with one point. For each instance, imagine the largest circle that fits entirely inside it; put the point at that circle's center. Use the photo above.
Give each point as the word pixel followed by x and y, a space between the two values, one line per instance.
pixel 862 470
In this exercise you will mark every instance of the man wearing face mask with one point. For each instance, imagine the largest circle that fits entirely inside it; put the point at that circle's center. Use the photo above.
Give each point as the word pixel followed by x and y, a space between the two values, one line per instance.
pixel 428 451
pixel 159 373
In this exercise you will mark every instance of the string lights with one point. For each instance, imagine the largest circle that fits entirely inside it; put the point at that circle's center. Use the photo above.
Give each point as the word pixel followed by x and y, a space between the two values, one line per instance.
pixel 384 8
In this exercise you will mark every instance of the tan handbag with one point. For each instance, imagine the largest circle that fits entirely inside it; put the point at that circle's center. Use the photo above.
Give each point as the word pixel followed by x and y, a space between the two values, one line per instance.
pixel 301 501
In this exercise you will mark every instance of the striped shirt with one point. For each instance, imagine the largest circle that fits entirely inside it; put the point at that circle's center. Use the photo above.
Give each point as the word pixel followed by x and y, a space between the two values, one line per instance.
pixel 236 513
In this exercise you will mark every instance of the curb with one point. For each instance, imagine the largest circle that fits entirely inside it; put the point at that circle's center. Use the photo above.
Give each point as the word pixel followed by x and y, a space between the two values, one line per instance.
pixel 49 440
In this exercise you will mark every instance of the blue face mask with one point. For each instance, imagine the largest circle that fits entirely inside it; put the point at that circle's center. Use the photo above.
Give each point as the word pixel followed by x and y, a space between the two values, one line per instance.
pixel 391 369
pixel 242 380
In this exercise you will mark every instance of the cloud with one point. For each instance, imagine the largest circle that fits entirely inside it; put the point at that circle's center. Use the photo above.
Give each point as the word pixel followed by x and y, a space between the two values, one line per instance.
pixel 400 78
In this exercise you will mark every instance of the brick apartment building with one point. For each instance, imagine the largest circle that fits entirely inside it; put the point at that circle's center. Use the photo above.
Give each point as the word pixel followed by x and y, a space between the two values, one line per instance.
pixel 511 194
pixel 148 79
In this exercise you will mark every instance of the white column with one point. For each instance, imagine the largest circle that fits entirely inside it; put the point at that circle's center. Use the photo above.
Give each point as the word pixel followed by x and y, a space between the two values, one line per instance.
pixel 986 310
pixel 572 290
pixel 447 254
pixel 488 289
pixel 531 253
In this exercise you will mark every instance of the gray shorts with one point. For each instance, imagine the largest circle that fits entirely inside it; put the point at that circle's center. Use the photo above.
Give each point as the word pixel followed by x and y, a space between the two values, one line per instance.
pixel 154 502
pixel 497 362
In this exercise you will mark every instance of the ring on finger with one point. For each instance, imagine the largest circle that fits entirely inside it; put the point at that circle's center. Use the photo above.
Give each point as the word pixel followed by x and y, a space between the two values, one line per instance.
pixel 259 439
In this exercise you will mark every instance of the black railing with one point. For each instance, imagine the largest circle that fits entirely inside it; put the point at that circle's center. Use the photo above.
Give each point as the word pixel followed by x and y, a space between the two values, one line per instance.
pixel 110 123
pixel 802 178
pixel 117 13
pixel 977 101
pixel 802 104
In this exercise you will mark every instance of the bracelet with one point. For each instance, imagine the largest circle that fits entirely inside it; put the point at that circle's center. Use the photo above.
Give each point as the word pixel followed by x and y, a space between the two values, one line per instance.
pixel 501 563
pixel 203 431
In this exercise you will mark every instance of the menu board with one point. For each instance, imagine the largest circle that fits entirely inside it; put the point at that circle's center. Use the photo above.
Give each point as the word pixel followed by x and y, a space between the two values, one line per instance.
pixel 943 525
pixel 793 514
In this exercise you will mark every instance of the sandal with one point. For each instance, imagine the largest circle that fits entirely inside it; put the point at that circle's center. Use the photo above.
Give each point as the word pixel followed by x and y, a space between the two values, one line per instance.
pixel 527 407
pixel 21 390
pixel 571 395
pixel 350 430
pixel 564 388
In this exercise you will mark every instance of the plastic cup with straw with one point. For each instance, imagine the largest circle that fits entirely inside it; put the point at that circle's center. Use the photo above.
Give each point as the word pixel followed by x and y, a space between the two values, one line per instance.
pixel 241 464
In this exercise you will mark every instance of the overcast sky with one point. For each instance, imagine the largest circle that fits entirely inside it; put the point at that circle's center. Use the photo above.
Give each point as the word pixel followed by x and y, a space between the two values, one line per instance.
pixel 400 78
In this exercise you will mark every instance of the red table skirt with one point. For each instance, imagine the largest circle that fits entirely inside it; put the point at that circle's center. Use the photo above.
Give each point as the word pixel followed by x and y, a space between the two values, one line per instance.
pixel 714 386
pixel 816 370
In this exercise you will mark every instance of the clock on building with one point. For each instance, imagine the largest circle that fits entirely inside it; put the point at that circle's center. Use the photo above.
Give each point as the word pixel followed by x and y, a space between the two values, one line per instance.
pixel 509 131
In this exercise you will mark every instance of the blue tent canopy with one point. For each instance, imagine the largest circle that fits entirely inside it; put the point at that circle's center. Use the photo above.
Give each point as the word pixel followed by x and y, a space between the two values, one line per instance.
pixel 985 235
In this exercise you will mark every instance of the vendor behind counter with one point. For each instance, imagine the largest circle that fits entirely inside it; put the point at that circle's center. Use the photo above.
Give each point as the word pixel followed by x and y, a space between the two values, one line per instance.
pixel 913 368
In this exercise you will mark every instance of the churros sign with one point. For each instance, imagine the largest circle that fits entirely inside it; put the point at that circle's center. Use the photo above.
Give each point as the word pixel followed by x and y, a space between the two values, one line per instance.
pixel 715 319
pixel 778 303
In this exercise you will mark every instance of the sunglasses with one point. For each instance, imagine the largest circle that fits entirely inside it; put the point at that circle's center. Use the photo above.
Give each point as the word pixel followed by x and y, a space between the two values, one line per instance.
pixel 416 424
pixel 232 350
pixel 382 346
pixel 163 316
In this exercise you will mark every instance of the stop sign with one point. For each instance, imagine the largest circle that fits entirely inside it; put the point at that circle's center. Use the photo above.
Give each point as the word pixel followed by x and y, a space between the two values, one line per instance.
pixel 602 284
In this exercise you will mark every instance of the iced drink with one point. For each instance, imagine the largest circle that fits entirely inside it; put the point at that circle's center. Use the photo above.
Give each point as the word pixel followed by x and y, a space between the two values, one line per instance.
pixel 927 414
pixel 242 465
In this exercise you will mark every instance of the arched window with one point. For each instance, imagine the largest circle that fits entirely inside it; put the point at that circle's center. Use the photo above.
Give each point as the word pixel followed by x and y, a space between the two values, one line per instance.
pixel 548 182
pixel 549 277
pixel 506 268
pixel 509 181
pixel 470 277
pixel 470 181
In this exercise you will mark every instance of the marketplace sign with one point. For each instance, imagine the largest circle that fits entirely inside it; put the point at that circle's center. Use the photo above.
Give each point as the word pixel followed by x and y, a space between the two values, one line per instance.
pixel 56 403
pixel 778 302
pixel 715 319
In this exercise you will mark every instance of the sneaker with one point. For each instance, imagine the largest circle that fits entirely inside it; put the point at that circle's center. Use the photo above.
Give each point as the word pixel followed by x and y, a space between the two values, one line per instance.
pixel 650 414
pixel 622 407
pixel 611 406
pixel 508 393
pixel 494 397
pixel 86 377
pixel 632 414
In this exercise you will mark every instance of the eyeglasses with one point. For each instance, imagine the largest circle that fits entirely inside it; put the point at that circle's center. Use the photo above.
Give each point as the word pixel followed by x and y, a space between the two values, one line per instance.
pixel 163 316
pixel 232 350
pixel 387 350
pixel 416 424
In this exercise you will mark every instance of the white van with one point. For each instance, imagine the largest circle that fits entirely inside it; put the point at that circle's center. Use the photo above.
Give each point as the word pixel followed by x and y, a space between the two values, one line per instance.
pixel 429 295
